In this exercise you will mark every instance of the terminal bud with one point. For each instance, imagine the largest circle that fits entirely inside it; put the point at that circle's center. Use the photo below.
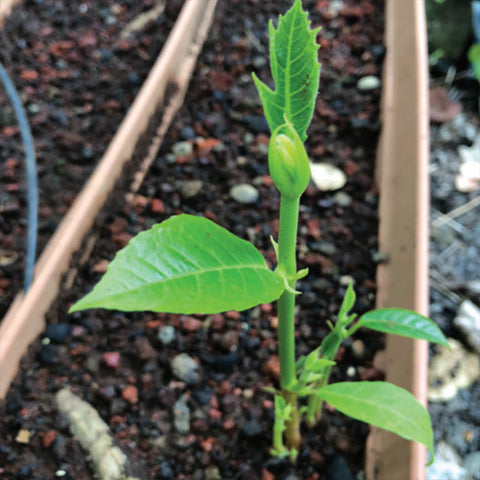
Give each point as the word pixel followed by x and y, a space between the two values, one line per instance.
pixel 288 161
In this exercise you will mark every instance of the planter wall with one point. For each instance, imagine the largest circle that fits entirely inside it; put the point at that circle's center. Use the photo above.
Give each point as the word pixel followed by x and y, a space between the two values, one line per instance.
pixel 402 179
pixel 402 174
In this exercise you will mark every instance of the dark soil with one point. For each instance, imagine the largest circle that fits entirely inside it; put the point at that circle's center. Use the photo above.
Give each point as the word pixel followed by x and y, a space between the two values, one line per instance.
pixel 116 361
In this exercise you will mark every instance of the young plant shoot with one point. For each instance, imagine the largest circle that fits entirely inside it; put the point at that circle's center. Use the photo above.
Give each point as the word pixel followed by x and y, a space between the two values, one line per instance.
pixel 188 264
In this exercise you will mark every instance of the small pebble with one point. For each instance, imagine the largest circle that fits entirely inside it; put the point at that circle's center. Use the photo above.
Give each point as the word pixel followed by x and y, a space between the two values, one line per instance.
pixel 247 393
pixel 335 7
pixel 48 438
pixel 92 364
pixel 111 359
pixel 190 324
pixel 244 193
pixel 185 368
pixel 23 436
pixel 342 199
pixel 468 322
pixel 351 372
pixel 189 188
pixel 130 394
pixel 346 280
pixel 370 82
pixel 272 367
pixel 34 108
pixel 182 149
pixel 166 334
pixel 181 413
pixel 358 348
pixel 157 206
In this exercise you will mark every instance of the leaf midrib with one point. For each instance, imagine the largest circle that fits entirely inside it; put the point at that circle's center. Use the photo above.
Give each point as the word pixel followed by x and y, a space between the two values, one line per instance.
pixel 288 96
pixel 194 274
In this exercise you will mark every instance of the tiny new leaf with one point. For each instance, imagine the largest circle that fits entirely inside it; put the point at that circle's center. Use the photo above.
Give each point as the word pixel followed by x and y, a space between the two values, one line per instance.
pixel 295 71
pixel 402 322
pixel 348 303
pixel 383 405
pixel 185 264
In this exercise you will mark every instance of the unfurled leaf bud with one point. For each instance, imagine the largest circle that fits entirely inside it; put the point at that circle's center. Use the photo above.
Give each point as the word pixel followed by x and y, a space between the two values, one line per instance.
pixel 288 161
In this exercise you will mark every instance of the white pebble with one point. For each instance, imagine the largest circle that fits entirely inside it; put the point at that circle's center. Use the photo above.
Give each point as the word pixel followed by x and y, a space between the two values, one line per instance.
pixel 370 82
pixel 244 193
pixel 327 177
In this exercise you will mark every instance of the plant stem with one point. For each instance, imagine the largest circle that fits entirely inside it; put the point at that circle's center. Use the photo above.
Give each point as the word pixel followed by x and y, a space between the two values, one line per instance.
pixel 287 264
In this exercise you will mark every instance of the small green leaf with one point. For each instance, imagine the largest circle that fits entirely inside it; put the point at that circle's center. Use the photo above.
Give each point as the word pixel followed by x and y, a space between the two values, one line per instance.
pixel 402 322
pixel 295 71
pixel 314 364
pixel 283 410
pixel 383 405
pixel 348 302
pixel 330 345
pixel 185 264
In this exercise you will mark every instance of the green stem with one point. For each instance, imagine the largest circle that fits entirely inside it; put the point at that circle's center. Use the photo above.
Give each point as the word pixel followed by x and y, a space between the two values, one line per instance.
pixel 287 265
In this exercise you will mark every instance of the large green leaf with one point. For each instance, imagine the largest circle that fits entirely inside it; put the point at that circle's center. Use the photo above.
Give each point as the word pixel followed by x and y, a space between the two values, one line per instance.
pixel 383 405
pixel 295 71
pixel 402 322
pixel 185 264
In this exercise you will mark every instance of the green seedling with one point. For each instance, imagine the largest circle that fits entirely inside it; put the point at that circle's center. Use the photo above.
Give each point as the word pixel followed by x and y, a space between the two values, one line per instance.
pixel 188 264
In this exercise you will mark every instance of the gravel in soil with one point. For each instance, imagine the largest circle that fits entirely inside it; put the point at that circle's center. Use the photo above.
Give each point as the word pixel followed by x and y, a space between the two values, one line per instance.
pixel 183 394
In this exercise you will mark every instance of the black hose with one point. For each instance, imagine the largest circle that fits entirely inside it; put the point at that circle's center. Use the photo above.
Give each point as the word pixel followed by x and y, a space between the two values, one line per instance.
pixel 31 174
